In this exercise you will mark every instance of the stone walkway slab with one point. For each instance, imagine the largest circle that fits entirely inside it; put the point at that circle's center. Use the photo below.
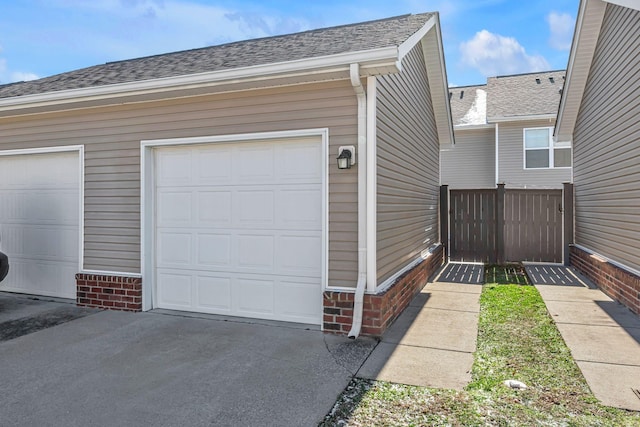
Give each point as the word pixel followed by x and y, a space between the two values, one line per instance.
pixel 432 342
pixel 603 336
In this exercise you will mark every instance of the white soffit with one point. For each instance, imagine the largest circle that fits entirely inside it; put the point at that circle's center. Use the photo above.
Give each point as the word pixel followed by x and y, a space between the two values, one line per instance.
pixel 585 39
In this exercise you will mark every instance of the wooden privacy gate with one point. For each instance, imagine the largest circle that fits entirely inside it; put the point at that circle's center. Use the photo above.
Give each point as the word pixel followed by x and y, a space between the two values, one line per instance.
pixel 498 225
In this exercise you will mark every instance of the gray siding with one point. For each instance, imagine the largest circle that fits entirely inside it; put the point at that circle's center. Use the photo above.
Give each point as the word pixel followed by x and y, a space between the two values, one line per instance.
pixel 112 136
pixel 471 162
pixel 408 175
pixel 607 144
pixel 511 169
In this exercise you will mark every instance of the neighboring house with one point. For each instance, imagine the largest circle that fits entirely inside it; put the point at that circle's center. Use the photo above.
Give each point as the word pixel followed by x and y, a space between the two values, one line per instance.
pixel 600 114
pixel 503 134
pixel 207 181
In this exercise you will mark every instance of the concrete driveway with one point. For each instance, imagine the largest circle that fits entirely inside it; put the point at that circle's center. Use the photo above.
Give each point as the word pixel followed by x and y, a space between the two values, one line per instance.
pixel 104 368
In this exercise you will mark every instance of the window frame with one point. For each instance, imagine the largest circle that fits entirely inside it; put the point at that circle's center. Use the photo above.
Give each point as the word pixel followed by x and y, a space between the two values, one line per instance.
pixel 550 148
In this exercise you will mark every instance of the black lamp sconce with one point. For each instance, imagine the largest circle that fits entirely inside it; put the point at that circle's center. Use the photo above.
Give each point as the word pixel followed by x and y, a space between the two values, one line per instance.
pixel 346 157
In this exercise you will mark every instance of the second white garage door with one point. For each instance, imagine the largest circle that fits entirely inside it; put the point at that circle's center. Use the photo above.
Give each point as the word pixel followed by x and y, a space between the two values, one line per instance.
pixel 239 229
pixel 39 222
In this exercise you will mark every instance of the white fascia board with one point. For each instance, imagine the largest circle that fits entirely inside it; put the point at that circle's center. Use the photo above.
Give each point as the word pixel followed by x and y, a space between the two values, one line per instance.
pixel 590 15
pixel 474 127
pixel 415 38
pixel 438 84
pixel 521 118
pixel 374 58
pixel 631 4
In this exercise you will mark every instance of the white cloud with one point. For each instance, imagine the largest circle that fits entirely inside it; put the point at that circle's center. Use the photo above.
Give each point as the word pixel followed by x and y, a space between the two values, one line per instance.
pixel 561 28
pixel 19 76
pixel 493 54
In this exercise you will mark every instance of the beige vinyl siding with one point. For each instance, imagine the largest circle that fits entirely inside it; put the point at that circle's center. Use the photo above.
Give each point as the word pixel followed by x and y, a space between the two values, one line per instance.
pixel 408 148
pixel 511 169
pixel 607 144
pixel 471 162
pixel 112 135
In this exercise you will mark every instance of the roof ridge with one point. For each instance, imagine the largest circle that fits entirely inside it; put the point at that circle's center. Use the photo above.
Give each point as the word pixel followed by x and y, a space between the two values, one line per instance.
pixel 528 74
pixel 237 42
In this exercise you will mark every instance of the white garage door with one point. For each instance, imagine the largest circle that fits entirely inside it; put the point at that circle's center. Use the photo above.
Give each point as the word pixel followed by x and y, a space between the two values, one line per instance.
pixel 239 229
pixel 39 222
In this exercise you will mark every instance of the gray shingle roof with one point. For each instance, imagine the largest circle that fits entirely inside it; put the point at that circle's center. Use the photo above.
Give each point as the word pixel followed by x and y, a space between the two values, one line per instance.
pixel 465 105
pixel 309 44
pixel 524 94
pixel 514 96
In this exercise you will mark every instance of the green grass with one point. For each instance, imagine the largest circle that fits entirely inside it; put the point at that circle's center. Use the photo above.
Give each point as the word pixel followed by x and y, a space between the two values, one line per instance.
pixel 517 339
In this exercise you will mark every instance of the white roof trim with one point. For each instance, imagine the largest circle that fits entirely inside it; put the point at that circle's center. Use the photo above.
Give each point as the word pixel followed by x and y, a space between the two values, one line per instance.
pixel 367 59
pixel 438 84
pixel 631 4
pixel 474 127
pixel 585 39
pixel 521 118
pixel 415 38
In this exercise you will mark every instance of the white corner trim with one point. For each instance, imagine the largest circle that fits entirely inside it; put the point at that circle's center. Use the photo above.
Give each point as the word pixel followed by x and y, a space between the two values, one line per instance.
pixel 64 149
pixel 147 200
pixel 388 55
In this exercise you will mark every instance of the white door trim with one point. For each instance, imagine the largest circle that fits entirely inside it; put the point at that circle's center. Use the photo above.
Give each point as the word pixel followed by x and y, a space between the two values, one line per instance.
pixel 62 149
pixel 147 198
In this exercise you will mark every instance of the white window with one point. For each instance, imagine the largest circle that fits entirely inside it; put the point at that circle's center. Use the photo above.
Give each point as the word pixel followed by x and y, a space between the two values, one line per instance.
pixel 541 153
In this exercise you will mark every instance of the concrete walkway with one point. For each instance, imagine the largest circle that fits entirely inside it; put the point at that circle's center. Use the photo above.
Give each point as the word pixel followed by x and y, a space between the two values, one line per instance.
pixel 603 336
pixel 432 342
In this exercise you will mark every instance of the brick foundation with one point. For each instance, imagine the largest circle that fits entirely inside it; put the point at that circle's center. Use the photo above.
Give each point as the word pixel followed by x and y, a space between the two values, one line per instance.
pixel 109 292
pixel 380 310
pixel 618 283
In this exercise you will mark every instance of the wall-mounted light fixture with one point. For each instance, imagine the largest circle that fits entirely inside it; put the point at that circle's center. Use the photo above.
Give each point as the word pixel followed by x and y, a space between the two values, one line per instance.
pixel 346 157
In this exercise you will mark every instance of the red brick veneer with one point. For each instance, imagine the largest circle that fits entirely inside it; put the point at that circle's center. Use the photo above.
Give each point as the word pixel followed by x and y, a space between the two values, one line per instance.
pixel 109 292
pixel 618 283
pixel 380 310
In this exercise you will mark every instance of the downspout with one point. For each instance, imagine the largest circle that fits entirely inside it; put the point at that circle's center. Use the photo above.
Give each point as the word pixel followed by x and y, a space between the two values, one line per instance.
pixel 497 156
pixel 358 300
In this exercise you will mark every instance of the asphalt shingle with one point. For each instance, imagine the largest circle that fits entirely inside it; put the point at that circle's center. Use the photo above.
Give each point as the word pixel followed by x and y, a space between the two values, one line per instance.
pixel 524 94
pixel 309 44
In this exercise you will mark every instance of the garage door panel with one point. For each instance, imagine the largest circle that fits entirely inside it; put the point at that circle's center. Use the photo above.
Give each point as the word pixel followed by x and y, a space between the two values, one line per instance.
pixel 174 249
pixel 174 208
pixel 214 250
pixel 254 208
pixel 214 208
pixel 175 289
pixel 299 208
pixel 254 163
pixel 299 254
pixel 305 169
pixel 215 167
pixel 39 222
pixel 255 252
pixel 254 297
pixel 250 234
pixel 174 167
pixel 296 301
pixel 214 294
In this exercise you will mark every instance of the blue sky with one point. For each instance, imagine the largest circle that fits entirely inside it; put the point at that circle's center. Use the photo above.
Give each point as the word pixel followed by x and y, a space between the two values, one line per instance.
pixel 481 38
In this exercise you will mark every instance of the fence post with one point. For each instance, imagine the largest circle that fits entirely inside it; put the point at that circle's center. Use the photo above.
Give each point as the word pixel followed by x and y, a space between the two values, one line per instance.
pixel 444 219
pixel 567 218
pixel 500 224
